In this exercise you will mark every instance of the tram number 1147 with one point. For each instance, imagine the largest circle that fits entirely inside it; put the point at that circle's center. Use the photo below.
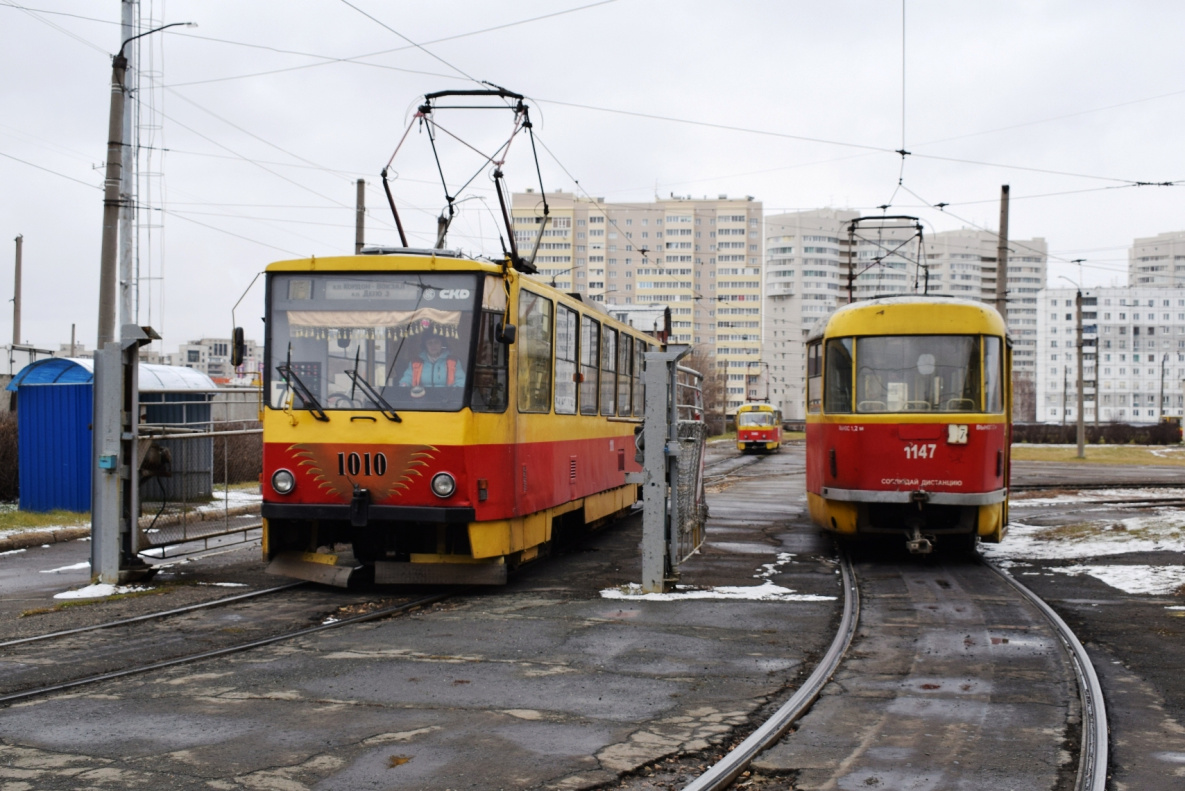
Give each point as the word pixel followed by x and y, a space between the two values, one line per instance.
pixel 922 451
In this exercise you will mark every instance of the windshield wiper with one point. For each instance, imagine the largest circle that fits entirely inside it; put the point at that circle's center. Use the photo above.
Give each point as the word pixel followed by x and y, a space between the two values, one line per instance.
pixel 374 395
pixel 302 390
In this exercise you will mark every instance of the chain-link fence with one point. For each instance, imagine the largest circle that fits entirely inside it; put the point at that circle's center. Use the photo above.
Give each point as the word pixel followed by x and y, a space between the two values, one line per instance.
pixel 200 458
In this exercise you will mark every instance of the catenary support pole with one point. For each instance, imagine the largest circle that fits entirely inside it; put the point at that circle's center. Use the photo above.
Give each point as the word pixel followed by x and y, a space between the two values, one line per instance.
pixel 111 182
pixel 127 174
pixel 1081 379
pixel 1002 257
pixel 360 218
pixel 16 300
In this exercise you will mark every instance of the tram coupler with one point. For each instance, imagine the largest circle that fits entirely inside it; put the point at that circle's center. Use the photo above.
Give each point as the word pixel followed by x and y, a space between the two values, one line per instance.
pixel 917 544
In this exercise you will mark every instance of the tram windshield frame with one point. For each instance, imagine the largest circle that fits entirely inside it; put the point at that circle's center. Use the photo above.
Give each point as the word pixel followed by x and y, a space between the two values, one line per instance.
pixel 914 374
pixel 335 340
pixel 756 418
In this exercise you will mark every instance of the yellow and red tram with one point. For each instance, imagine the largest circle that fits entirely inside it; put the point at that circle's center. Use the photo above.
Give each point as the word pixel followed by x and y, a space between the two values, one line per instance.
pixel 759 428
pixel 908 420
pixel 435 418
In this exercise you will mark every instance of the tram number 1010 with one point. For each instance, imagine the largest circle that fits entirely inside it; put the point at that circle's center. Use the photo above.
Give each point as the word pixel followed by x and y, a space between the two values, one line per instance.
pixel 922 451
pixel 362 464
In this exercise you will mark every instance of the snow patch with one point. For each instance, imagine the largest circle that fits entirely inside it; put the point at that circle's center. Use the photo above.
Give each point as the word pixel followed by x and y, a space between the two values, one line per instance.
pixel 100 590
pixel 1147 580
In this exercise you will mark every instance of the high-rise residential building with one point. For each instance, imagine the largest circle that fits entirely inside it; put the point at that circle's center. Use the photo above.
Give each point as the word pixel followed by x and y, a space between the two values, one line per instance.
pixel 805 270
pixel 1133 355
pixel 963 264
pixel 1157 261
pixel 810 254
pixel 700 257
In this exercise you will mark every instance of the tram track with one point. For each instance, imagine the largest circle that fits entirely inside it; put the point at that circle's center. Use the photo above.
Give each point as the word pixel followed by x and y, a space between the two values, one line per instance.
pixel 13 659
pixel 1091 772
pixel 722 774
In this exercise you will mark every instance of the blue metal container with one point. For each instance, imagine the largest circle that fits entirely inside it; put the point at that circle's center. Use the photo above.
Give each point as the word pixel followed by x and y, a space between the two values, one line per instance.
pixel 55 407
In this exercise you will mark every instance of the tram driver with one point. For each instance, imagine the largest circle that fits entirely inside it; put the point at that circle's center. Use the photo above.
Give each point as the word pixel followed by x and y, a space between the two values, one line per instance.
pixel 435 366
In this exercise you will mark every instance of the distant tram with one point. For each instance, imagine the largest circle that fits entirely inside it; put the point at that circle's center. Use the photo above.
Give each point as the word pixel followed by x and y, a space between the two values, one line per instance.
pixel 759 428
pixel 908 421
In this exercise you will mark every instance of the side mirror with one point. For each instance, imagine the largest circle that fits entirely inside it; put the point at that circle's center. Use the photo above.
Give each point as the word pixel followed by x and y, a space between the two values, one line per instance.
pixel 238 349
pixel 505 334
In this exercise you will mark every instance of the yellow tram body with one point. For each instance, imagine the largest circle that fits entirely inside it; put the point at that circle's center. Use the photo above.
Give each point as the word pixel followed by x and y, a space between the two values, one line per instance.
pixel 538 435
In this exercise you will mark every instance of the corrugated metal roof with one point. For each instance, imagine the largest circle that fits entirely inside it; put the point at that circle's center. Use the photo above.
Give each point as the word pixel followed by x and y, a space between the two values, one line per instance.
pixel 71 370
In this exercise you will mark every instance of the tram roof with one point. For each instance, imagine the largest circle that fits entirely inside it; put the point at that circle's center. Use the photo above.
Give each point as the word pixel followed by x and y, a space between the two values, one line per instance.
pixel 378 259
pixel 898 315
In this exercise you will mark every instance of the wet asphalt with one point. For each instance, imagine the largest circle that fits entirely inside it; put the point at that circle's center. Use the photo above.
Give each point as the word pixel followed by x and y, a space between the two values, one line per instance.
pixel 548 684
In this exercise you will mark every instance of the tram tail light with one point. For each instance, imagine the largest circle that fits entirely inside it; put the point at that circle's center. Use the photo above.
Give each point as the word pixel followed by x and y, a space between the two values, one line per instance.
pixel 483 490
pixel 834 466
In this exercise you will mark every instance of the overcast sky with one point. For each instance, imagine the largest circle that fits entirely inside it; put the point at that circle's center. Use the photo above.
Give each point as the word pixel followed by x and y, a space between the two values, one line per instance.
pixel 269 111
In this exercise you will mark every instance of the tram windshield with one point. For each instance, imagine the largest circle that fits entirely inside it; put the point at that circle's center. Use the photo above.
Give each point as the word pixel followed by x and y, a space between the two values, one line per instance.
pixel 379 341
pixel 755 419
pixel 928 373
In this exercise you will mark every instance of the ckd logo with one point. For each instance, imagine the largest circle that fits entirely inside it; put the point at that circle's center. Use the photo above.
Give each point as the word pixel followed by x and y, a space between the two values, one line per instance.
pixel 455 293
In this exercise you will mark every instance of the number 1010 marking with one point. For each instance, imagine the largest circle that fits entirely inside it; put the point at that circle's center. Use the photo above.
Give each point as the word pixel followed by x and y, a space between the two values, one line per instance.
pixel 924 451
pixel 356 463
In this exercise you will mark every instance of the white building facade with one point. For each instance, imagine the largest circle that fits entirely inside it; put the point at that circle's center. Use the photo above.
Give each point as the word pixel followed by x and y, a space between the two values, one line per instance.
pixel 700 257
pixel 806 278
pixel 1133 355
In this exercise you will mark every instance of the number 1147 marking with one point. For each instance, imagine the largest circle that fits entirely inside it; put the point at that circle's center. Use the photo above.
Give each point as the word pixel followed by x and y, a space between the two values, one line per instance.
pixel 922 451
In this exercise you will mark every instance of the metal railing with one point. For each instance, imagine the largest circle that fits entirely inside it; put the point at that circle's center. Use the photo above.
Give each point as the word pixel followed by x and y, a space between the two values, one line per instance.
pixel 194 453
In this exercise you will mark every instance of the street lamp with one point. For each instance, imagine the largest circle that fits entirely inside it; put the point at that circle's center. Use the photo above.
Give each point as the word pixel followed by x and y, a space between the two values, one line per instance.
pixel 115 474
pixel 111 183
pixel 1081 383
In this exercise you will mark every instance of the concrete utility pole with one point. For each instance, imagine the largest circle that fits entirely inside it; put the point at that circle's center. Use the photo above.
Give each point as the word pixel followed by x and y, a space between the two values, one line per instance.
pixel 127 176
pixel 1081 382
pixel 360 218
pixel 1002 257
pixel 16 293
pixel 111 184
pixel 115 476
pixel 1160 398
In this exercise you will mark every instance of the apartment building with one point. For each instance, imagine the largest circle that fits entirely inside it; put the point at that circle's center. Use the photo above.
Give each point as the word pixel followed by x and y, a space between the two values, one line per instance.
pixel 1157 261
pixel 211 356
pixel 699 257
pixel 1133 355
pixel 811 254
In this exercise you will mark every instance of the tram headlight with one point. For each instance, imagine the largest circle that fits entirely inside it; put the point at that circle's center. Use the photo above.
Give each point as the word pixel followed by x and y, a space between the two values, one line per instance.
pixel 283 481
pixel 443 484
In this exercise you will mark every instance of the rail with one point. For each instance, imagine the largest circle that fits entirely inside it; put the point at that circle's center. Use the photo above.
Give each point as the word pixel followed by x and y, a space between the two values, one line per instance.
pixel 1092 760
pixel 721 774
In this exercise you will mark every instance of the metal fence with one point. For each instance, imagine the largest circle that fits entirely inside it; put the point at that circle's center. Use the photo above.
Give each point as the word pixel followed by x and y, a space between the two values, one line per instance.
pixel 674 506
pixel 690 511
pixel 200 456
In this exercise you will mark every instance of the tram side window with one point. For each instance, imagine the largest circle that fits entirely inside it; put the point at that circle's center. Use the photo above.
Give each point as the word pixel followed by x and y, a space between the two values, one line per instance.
pixel 534 352
pixel 814 376
pixel 639 389
pixel 590 348
pixel 993 375
pixel 625 357
pixel 837 381
pixel 609 371
pixel 489 370
pixel 565 361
